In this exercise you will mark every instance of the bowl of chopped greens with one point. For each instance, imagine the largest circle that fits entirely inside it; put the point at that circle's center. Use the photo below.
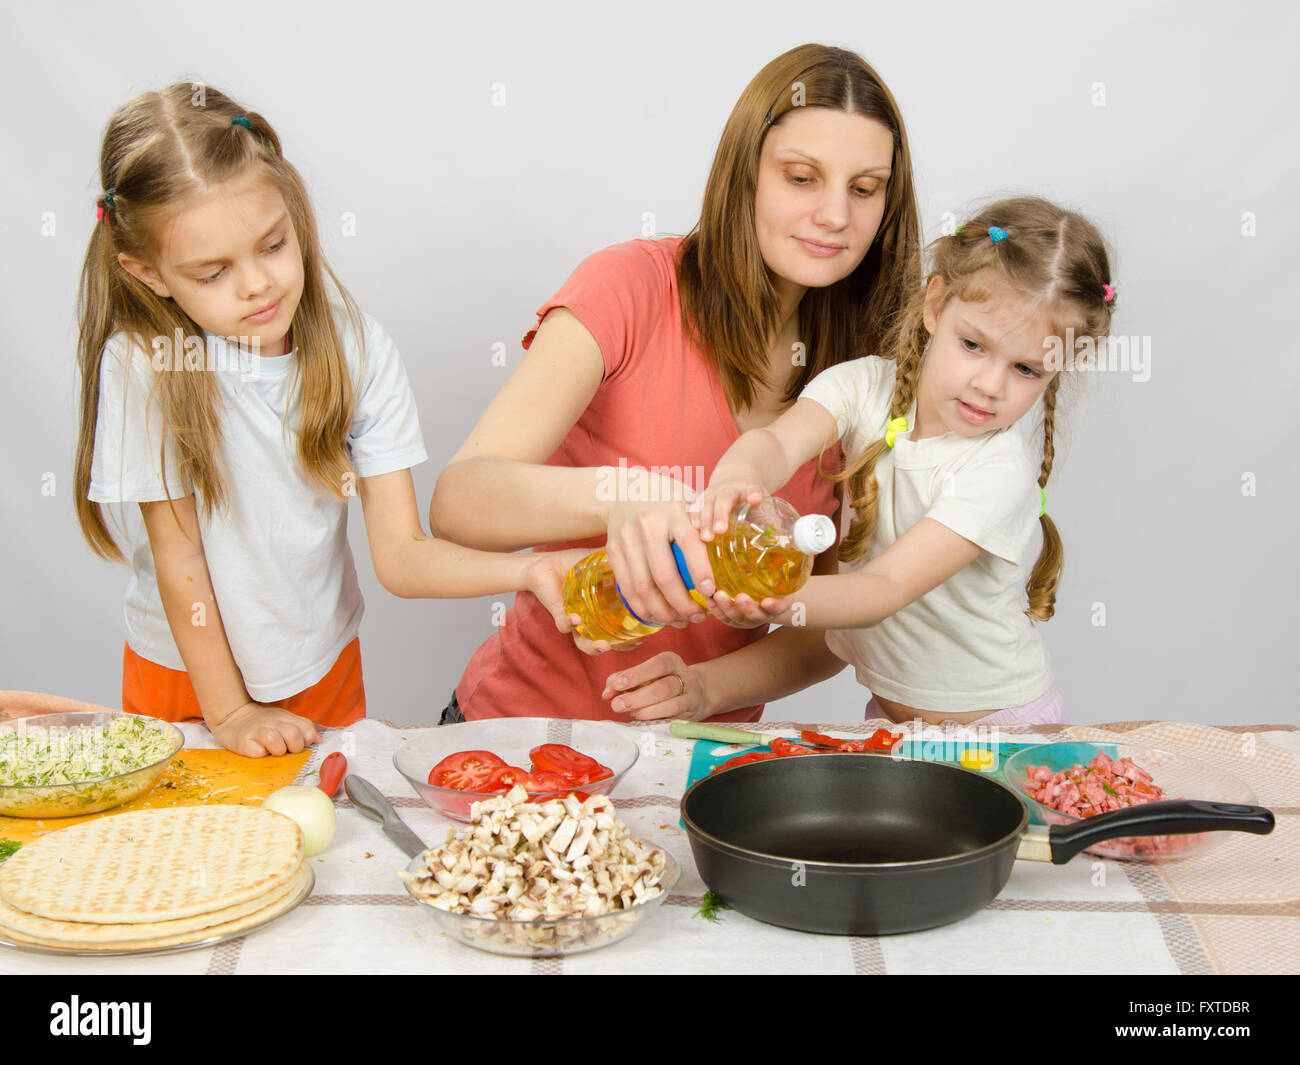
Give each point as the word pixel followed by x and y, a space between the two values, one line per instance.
pixel 65 765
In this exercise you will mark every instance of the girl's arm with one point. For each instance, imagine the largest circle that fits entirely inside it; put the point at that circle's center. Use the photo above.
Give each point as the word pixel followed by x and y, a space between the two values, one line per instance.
pixel 185 587
pixel 762 460
pixel 917 562
pixel 412 565
pixel 498 494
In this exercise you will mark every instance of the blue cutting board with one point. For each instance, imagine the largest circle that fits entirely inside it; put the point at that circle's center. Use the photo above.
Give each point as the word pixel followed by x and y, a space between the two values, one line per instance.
pixel 708 755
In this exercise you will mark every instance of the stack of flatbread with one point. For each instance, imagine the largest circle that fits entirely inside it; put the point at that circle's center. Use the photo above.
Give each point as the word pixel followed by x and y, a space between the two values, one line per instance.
pixel 152 879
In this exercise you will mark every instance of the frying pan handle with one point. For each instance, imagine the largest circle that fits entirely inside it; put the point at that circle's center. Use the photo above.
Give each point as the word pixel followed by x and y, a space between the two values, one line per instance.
pixel 1158 819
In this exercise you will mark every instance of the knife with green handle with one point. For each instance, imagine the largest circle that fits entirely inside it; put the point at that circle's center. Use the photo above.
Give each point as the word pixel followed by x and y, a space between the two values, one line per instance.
pixel 691 730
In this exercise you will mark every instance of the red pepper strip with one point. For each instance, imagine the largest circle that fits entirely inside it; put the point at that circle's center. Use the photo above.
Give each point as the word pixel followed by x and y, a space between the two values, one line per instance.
pixel 742 759
pixel 883 740
pixel 808 736
pixel 331 772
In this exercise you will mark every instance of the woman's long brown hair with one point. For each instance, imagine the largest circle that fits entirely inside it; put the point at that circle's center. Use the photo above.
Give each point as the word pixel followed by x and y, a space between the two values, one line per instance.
pixel 160 149
pixel 729 304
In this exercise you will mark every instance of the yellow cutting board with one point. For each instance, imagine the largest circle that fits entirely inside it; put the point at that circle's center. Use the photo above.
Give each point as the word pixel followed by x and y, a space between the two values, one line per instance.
pixel 194 777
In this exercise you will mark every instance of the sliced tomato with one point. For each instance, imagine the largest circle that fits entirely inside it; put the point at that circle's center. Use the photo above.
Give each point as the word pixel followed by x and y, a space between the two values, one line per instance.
pixel 783 747
pixel 559 758
pixel 545 780
pixel 465 770
pixel 506 777
pixel 601 772
pixel 745 759
pixel 808 736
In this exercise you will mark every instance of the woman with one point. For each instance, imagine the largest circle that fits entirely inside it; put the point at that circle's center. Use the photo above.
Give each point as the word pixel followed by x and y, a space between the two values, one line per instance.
pixel 646 366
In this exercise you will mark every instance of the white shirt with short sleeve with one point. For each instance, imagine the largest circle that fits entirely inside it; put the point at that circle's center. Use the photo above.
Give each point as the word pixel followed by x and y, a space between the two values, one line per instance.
pixel 967 645
pixel 278 554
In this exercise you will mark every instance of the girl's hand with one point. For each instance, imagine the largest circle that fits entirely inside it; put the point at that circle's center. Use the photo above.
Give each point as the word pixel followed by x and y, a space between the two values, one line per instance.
pixel 743 612
pixel 639 545
pixel 659 687
pixel 545 579
pixel 712 511
pixel 255 730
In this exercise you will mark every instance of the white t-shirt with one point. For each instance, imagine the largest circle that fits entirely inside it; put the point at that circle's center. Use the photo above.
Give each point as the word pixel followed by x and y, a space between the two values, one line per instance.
pixel 967 645
pixel 278 554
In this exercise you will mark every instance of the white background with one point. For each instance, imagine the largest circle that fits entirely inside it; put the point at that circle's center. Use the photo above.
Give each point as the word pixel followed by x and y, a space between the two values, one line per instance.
pixel 468 216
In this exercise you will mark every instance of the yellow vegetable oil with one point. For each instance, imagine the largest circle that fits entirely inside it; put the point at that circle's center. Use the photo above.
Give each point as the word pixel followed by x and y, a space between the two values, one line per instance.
pixel 766 552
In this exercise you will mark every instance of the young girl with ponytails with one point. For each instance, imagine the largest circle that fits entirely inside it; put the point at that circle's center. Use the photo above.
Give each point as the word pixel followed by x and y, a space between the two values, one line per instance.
pixel 232 390
pixel 929 605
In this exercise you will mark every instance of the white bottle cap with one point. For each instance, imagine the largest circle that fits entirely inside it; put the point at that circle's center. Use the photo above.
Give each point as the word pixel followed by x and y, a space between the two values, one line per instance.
pixel 814 533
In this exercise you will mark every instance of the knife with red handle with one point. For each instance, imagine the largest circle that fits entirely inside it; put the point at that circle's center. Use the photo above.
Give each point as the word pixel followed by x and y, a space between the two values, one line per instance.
pixel 331 773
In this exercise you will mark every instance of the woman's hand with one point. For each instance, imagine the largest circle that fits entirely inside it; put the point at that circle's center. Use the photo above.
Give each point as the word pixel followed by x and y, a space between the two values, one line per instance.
pixel 639 543
pixel 254 730
pixel 659 687
pixel 546 578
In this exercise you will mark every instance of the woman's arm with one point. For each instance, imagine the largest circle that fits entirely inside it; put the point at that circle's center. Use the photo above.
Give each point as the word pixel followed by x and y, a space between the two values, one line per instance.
pixel 498 494
pixel 779 664
pixel 185 588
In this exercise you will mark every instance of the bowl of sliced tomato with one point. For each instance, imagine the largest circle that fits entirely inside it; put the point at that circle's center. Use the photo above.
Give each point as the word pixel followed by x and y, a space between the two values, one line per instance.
pixel 454 766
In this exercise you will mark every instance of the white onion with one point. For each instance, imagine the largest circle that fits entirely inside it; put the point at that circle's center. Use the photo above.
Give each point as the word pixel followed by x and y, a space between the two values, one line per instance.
pixel 311 808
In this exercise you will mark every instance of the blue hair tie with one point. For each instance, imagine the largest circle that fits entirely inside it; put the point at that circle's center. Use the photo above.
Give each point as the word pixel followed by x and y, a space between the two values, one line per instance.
pixel 997 233
pixel 242 121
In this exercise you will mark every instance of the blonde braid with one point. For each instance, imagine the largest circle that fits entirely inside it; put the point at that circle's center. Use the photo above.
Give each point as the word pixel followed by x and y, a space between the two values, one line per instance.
pixel 861 473
pixel 1046 574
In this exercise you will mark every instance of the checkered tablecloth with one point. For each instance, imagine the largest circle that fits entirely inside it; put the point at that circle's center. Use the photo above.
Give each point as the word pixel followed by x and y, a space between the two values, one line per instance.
pixel 1241 914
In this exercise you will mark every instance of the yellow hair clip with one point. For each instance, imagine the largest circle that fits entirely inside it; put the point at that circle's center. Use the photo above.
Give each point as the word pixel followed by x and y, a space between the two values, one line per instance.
pixel 895 425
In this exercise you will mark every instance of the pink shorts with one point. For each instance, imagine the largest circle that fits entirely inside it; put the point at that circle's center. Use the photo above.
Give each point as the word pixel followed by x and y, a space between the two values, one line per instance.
pixel 1047 709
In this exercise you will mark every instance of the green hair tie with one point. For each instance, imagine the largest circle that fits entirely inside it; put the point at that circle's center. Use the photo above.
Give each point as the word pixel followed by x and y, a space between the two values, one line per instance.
pixel 894 426
pixel 1042 493
pixel 242 121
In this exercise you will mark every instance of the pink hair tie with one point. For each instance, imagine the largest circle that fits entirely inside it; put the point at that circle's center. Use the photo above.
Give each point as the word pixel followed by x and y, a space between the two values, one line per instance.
pixel 1108 293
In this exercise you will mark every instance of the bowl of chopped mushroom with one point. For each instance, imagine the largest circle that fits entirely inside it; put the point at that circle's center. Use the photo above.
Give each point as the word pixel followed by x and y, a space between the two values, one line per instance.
pixel 541 878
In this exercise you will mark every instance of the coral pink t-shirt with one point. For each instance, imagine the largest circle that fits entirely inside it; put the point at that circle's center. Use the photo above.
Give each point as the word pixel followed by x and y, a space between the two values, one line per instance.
pixel 661 405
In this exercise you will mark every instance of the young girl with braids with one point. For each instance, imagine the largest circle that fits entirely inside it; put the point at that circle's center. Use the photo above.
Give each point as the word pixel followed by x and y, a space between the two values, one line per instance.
pixel 928 606
pixel 239 398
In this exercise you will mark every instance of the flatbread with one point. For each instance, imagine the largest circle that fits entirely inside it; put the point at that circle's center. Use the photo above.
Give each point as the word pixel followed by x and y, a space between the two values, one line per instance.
pixel 151 866
pixel 89 934
pixel 285 901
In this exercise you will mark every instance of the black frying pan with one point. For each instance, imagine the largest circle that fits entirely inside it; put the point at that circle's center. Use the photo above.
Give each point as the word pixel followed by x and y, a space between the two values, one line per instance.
pixel 864 844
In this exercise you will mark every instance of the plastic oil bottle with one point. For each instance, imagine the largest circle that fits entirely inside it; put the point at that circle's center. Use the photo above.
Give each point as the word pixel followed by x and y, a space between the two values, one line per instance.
pixel 766 552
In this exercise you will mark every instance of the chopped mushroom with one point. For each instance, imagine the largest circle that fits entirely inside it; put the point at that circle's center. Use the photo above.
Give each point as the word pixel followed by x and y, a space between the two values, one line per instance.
pixel 526 861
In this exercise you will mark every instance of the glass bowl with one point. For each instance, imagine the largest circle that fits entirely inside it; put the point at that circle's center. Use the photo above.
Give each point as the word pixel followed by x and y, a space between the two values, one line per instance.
pixel 1177 775
pixel 74 734
pixel 511 738
pixel 548 938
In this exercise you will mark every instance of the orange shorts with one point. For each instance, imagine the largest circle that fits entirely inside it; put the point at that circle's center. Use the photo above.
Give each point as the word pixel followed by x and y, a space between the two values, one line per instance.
pixel 338 698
